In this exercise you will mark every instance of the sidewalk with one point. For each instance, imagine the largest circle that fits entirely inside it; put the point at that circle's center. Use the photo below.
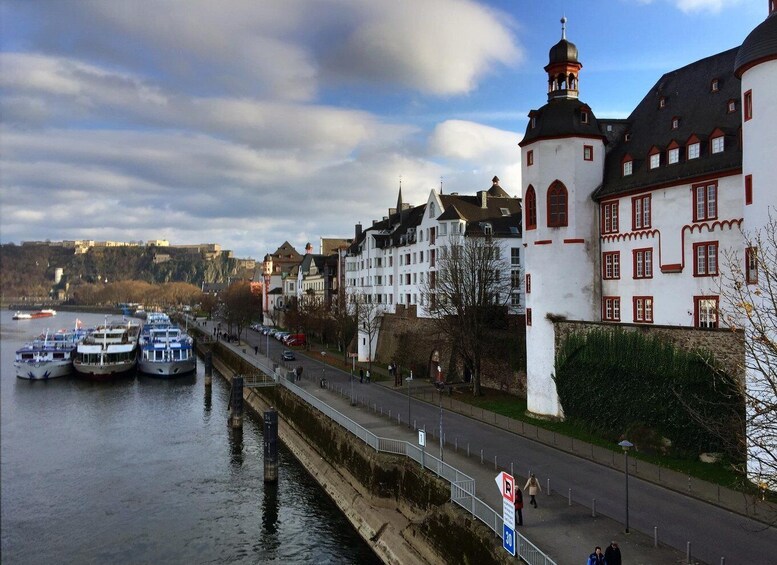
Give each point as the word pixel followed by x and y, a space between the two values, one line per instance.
pixel 567 533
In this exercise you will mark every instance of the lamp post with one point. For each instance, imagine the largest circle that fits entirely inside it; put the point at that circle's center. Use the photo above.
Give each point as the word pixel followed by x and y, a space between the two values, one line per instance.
pixel 439 388
pixel 409 380
pixel 626 445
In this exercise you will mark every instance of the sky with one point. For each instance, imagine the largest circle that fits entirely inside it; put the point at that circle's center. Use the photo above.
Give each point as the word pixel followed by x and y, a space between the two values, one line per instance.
pixel 249 123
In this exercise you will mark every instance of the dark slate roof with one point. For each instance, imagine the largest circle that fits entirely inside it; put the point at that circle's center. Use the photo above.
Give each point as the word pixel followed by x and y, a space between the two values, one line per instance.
pixel 469 209
pixel 451 213
pixel 760 45
pixel 688 95
pixel 559 118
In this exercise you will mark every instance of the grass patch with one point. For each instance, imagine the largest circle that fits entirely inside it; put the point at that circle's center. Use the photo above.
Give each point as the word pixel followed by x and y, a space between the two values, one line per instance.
pixel 515 408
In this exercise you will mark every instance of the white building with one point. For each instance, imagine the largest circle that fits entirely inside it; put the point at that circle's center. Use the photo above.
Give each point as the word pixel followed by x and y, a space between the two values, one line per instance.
pixel 628 221
pixel 391 262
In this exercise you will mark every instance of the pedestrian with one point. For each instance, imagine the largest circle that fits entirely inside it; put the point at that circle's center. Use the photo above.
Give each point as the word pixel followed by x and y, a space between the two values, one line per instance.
pixel 597 557
pixel 612 555
pixel 519 506
pixel 533 485
pixel 368 375
pixel 256 350
pixel 361 375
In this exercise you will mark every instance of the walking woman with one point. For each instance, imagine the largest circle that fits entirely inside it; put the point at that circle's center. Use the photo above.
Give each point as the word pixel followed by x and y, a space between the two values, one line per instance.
pixel 533 485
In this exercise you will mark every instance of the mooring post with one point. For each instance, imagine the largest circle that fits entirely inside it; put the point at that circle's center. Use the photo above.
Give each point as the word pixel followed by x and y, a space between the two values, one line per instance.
pixel 271 446
pixel 208 368
pixel 236 403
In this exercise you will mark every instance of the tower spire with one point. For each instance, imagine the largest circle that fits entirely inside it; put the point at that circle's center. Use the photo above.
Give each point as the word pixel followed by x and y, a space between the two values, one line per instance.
pixel 399 201
pixel 563 27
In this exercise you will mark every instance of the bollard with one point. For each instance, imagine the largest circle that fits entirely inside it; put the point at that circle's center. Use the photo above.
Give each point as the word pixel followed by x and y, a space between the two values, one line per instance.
pixel 399 419
pixel 456 444
pixel 570 497
pixel 270 442
pixel 511 469
pixel 593 509
pixel 481 456
pixel 547 490
pixel 389 414
pixel 655 536
pixel 208 368
pixel 688 552
pixel 495 467
pixel 722 561
pixel 415 427
pixel 235 419
pixel 468 450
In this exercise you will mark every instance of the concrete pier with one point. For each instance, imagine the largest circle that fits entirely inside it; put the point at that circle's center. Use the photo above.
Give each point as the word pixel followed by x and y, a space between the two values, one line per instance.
pixel 270 446
pixel 236 403
pixel 208 368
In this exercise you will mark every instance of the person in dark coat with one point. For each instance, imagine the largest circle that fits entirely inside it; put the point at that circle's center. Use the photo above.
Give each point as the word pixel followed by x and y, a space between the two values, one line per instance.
pixel 519 506
pixel 612 555
pixel 361 375
pixel 597 557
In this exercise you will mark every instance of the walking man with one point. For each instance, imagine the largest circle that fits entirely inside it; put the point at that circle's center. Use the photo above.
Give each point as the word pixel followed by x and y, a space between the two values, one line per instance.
pixel 361 375
pixel 597 557
pixel 533 485
pixel 612 555
pixel 256 350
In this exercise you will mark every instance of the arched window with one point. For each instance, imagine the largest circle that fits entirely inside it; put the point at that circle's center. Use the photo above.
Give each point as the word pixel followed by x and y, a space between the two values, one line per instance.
pixel 557 205
pixel 531 208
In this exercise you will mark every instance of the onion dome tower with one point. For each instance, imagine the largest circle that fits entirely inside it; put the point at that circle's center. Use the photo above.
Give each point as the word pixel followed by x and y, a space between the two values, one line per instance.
pixel 756 67
pixel 562 163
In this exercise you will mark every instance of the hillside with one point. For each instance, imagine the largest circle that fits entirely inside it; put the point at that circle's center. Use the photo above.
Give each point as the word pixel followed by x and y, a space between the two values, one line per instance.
pixel 29 270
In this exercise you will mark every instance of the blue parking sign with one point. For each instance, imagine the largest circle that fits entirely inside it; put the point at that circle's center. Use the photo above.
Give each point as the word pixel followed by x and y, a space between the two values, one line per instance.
pixel 508 539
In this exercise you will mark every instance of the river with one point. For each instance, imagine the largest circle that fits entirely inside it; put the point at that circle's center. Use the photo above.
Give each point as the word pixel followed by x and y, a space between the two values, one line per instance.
pixel 143 470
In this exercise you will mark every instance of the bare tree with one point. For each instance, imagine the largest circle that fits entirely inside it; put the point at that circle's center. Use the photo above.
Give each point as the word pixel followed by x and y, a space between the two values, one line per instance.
pixel 748 290
pixel 241 305
pixel 369 315
pixel 466 295
pixel 343 321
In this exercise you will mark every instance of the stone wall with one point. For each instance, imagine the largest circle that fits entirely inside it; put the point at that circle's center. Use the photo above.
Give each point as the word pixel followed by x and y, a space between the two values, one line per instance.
pixel 725 345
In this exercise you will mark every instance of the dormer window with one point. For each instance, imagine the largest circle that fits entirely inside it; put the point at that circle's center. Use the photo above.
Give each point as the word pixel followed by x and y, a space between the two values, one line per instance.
pixel 533 122
pixel 627 137
pixel 662 102
pixel 584 117
pixel 717 141
pixel 732 106
pixel 673 154
pixel 504 211
pixel 655 160
pixel 715 85
pixel 692 148
pixel 628 166
pixel 675 123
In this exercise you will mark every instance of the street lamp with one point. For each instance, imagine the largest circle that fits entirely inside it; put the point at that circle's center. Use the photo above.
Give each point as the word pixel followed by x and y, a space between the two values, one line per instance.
pixel 440 386
pixel 408 380
pixel 626 445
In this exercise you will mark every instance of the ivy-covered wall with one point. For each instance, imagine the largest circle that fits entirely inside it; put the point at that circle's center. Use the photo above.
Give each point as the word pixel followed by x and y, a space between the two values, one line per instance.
pixel 619 382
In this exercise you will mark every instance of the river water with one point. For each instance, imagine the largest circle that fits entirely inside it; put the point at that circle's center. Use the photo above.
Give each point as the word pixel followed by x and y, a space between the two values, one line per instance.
pixel 142 470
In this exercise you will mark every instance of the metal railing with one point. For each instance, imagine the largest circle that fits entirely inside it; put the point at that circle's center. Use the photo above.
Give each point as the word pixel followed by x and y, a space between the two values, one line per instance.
pixel 463 487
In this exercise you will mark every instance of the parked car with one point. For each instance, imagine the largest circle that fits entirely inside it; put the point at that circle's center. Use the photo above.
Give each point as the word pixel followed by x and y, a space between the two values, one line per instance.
pixel 280 335
pixel 288 355
pixel 294 339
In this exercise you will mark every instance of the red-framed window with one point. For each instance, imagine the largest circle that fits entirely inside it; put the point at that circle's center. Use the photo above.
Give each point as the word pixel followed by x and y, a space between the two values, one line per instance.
pixel 528 283
pixel 748 189
pixel 643 263
pixel 705 259
pixel 588 152
pixel 748 105
pixel 529 157
pixel 611 308
pixel 705 311
pixel 611 265
pixel 640 212
pixel 643 309
pixel 610 222
pixel 705 201
pixel 531 208
pixel 557 205
pixel 751 265
pixel 528 316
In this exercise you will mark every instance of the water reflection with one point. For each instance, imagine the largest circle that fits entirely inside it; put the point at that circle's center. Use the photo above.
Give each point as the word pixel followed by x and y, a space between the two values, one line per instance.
pixel 236 446
pixel 270 538
pixel 208 402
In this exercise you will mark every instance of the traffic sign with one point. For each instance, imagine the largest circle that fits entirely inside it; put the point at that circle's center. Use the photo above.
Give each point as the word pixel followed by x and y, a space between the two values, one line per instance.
pixel 352 355
pixel 421 438
pixel 508 539
pixel 506 484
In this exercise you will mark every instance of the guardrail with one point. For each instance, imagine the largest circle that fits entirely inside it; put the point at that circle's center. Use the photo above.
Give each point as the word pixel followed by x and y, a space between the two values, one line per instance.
pixel 463 487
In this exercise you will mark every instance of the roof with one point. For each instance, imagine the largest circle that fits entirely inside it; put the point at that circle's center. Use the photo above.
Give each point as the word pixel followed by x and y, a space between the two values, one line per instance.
pixel 759 46
pixel 563 52
pixel 688 95
pixel 561 117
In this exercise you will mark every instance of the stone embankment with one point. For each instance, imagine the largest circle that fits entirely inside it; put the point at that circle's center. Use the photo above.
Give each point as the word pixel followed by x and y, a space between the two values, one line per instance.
pixel 404 513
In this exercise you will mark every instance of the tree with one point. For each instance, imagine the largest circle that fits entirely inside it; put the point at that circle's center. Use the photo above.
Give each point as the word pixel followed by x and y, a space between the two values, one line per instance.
pixel 369 315
pixel 748 290
pixel 241 305
pixel 467 296
pixel 343 321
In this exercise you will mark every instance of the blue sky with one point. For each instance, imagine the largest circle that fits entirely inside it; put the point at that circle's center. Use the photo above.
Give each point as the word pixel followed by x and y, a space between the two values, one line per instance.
pixel 249 123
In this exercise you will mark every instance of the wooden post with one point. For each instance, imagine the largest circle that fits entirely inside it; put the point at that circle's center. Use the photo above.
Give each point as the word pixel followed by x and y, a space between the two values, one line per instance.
pixel 271 446
pixel 236 403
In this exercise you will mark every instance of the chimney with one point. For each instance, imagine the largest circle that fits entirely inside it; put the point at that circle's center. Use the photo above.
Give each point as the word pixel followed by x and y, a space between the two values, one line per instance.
pixel 392 211
pixel 358 231
pixel 483 196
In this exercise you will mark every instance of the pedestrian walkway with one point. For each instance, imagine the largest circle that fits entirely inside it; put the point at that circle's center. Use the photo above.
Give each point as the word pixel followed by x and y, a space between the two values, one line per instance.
pixel 566 532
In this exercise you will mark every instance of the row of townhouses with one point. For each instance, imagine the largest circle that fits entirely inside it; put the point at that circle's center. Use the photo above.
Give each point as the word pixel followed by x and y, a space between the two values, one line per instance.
pixel 623 221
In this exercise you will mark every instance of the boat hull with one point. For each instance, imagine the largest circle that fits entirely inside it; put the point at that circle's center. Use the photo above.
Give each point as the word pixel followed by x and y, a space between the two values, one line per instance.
pixel 43 370
pixel 167 369
pixel 104 371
